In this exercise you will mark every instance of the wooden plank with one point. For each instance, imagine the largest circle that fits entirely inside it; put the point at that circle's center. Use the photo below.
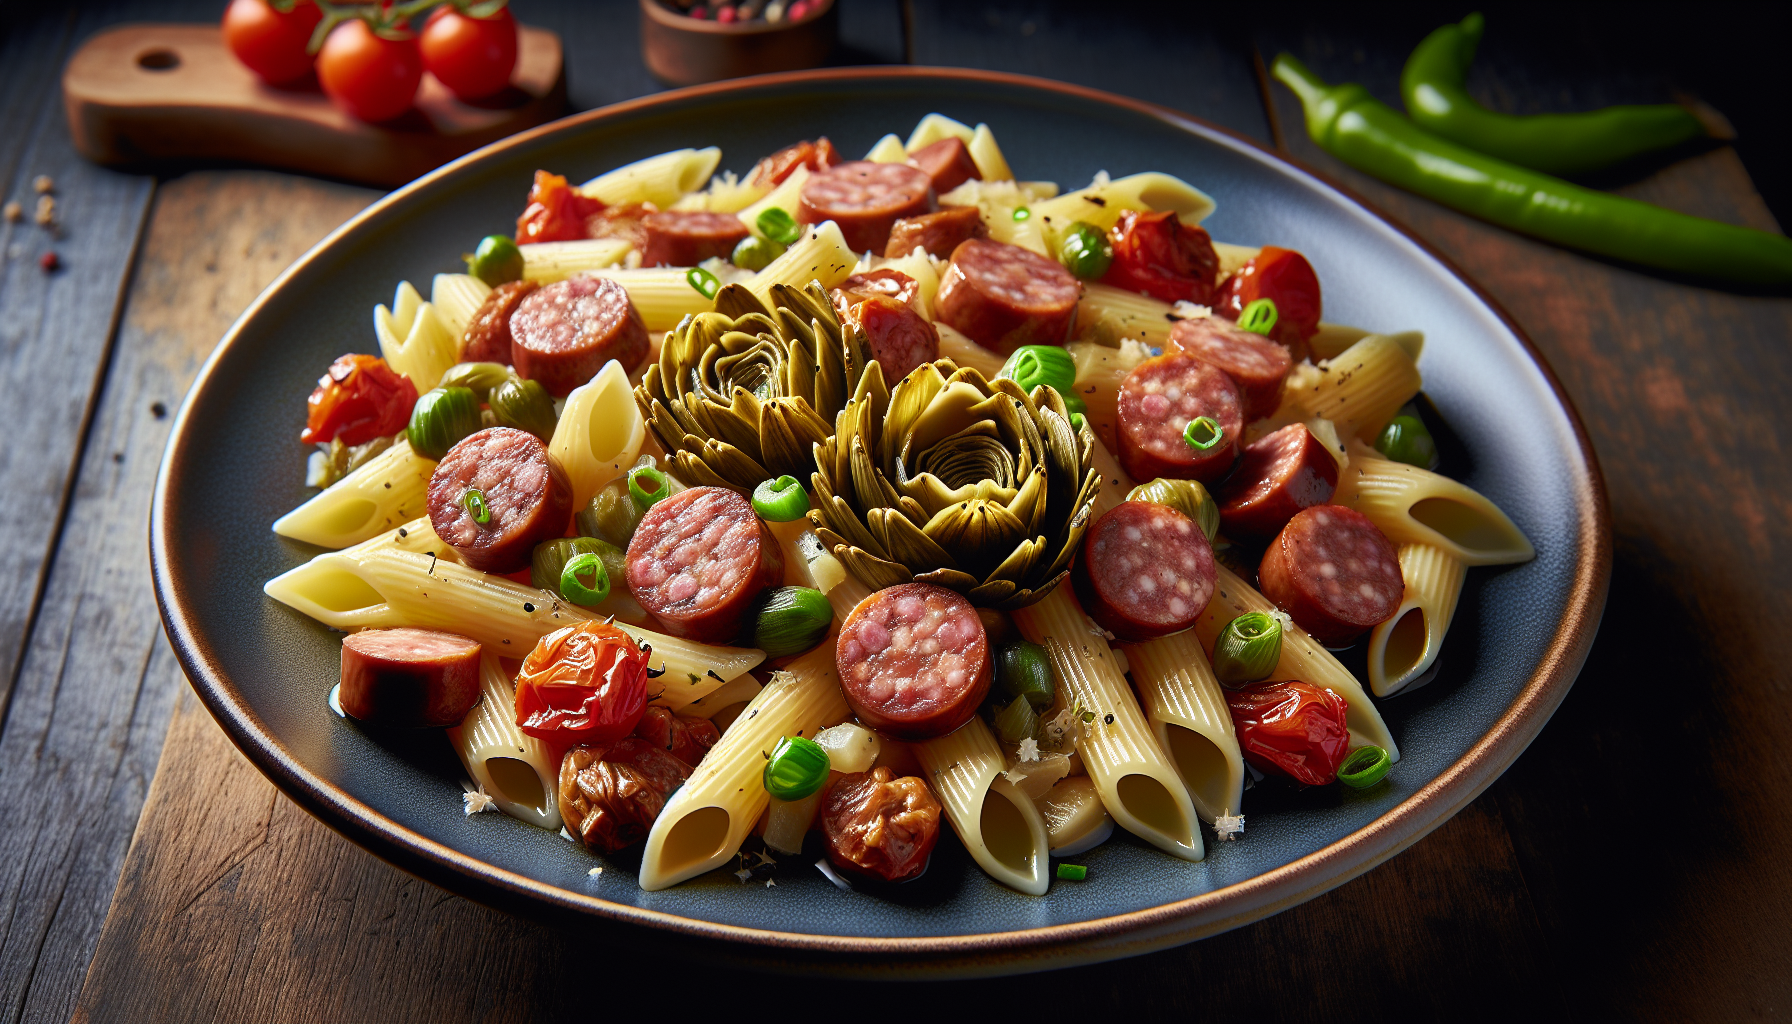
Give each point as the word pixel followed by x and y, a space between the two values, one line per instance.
pixel 98 681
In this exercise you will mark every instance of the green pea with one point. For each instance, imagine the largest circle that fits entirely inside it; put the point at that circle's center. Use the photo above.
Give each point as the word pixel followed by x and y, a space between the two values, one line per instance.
pixel 548 562
pixel 1023 669
pixel 1033 365
pixel 791 620
pixel 497 261
pixel 1017 721
pixel 1085 251
pixel 797 768
pixel 612 515
pixel 1405 439
pixel 481 378
pixel 1188 497
pixel 755 252
pixel 525 405
pixel 441 419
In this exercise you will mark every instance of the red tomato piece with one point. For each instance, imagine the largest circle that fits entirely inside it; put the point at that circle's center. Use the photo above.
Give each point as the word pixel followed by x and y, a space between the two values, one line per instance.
pixel 358 399
pixel 473 57
pixel 271 42
pixel 1291 728
pixel 817 156
pixel 1158 255
pixel 372 75
pixel 556 212
pixel 582 684
pixel 1284 277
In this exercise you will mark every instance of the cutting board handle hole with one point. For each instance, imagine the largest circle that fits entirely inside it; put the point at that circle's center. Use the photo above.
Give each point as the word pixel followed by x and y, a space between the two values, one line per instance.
pixel 158 60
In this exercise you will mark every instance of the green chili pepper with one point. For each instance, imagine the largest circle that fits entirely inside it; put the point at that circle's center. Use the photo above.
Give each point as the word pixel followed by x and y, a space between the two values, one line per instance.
pixel 1368 135
pixel 441 419
pixel 1188 497
pixel 648 486
pixel 474 500
pixel 525 405
pixel 1085 251
pixel 1072 872
pixel 1365 767
pixel 1248 649
pixel 1564 144
pixel 755 253
pixel 706 283
pixel 791 620
pixel 1259 317
pixel 780 501
pixel 612 515
pixel 1017 721
pixel 797 768
pixel 1033 365
pixel 548 562
pixel 496 261
pixel 1405 439
pixel 1022 213
pixel 1203 432
pixel 1023 669
pixel 481 378
pixel 777 224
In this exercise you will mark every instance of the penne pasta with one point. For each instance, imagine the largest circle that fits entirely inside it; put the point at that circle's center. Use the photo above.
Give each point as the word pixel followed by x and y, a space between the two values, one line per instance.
pixel 547 262
pixel 965 352
pixel 457 297
pixel 661 180
pixel 1416 506
pixel 934 127
pixel 997 201
pixel 1333 339
pixel 1232 257
pixel 888 150
pixel 784 197
pixel 1360 390
pixel 991 164
pixel 1099 371
pixel 738 690
pixel 820 255
pixel 1107 314
pixel 1115 484
pixel 513 768
pixel 1188 713
pixel 919 266
pixel 417 536
pixel 726 194
pixel 413 338
pixel 999 825
pixel 1404 647
pixel 389 491
pixel 1101 204
pixel 599 434
pixel 662 295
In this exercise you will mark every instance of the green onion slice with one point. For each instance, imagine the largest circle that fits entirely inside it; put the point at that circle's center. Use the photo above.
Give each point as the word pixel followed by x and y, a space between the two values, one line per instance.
pixel 1017 721
pixel 704 281
pixel 797 768
pixel 648 486
pixel 576 590
pixel 1072 872
pixel 1365 767
pixel 474 500
pixel 1259 317
pixel 1077 420
pixel 1022 213
pixel 778 225
pixel 780 501
pixel 1248 649
pixel 1033 365
pixel 1202 433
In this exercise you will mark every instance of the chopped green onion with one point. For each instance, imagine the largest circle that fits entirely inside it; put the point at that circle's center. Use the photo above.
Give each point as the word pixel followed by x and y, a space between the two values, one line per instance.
pixel 1085 251
pixel 797 768
pixel 756 253
pixel 547 563
pixel 441 419
pixel 791 620
pixel 778 225
pixel 497 261
pixel 1074 404
pixel 1072 872
pixel 1022 213
pixel 648 486
pixel 1247 649
pixel 1023 669
pixel 474 500
pixel 780 501
pixel 1365 767
pixel 1018 721
pixel 704 281
pixel 1077 420
pixel 1259 317
pixel 1033 365
pixel 578 591
pixel 1202 433
pixel 1405 439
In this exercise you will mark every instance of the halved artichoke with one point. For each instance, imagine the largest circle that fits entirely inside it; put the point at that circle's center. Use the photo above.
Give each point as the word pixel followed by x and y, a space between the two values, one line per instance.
pixel 956 480
pixel 744 394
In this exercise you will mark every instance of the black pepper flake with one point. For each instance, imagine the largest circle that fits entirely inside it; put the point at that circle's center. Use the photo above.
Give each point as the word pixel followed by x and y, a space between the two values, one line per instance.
pixel 401 532
pixel 506 641
pixel 712 675
pixel 158 410
pixel 1097 200
pixel 1171 317
pixel 753 714
pixel 653 673
pixel 431 571
pixel 388 485
pixel 528 607
pixel 1109 719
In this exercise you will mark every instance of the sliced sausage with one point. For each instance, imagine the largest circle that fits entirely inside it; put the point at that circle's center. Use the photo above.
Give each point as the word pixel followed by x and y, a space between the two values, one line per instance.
pixel 891 284
pixel 411 678
pixel 610 797
pixel 680 238
pixel 880 827
pixel 948 162
pixel 865 199
pixel 685 738
pixel 565 332
pixel 699 559
pixel 487 339
pixel 507 476
pixel 1157 401
pixel 938 233
pixel 1278 475
pixel 1145 571
pixel 1257 365
pixel 1333 572
pixel 878 303
pixel 914 661
pixel 1002 296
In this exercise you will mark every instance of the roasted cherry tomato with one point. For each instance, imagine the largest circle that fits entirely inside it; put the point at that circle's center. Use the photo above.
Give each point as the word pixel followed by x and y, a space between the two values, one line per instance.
pixel 473 57
pixel 817 156
pixel 269 41
pixel 878 826
pixel 1157 254
pixel 582 684
pixel 1292 728
pixel 1285 277
pixel 359 399
pixel 372 75
pixel 556 212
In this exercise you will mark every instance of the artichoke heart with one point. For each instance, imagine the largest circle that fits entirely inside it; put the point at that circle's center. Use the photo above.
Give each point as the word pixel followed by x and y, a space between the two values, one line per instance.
pixel 958 480
pixel 746 393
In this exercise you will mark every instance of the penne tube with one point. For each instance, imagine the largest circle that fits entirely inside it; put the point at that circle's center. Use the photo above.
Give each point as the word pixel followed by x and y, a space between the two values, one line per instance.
pixel 738 690
pixel 1416 506
pixel 599 434
pixel 1232 257
pixel 1115 484
pixel 391 489
pixel 965 352
pixel 705 821
pixel 918 265
pixel 934 127
pixel 999 825
pixel 1101 204
pixel 457 297
pixel 784 197
pixel 661 180
pixel 1302 658
pixel 417 536
pixel 888 150
pixel 413 338
pixel 1099 371
pixel 1107 314
pixel 1360 390
pixel 662 295
pixel 1188 713
pixel 547 262
pixel 1138 785
pixel 991 164
pixel 1333 339
pixel 807 561
pixel 820 255
pixel 1404 647
pixel 515 769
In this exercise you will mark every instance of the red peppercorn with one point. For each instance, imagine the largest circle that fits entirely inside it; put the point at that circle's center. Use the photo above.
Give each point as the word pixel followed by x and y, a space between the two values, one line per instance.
pixel 50 262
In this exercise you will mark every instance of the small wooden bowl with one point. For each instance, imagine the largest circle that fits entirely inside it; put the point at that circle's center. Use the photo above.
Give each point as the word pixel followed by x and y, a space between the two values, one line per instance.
pixel 685 51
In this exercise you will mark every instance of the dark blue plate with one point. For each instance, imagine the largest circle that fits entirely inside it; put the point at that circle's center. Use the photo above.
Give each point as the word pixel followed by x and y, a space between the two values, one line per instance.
pixel 234 465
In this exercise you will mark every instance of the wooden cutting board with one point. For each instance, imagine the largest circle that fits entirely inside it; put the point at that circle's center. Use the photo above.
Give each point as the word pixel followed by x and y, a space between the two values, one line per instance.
pixel 150 95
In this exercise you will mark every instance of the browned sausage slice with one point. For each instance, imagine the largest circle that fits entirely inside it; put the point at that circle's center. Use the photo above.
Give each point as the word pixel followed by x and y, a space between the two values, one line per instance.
pixel 948 162
pixel 523 491
pixel 488 334
pixel 1278 475
pixel 938 233
pixel 914 661
pixel 865 199
pixel 1145 571
pixel 1157 401
pixel 699 559
pixel 878 826
pixel 1002 296
pixel 877 302
pixel 1333 572
pixel 566 331
pixel 685 738
pixel 609 798
pixel 411 678
pixel 892 284
pixel 679 238
pixel 1257 365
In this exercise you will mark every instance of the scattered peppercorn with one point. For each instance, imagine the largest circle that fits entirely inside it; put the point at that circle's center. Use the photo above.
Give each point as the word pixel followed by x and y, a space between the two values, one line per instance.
pixel 158 410
pixel 50 262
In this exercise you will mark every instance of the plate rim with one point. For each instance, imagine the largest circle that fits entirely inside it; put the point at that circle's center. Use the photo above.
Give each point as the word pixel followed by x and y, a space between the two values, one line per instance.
pixel 1104 938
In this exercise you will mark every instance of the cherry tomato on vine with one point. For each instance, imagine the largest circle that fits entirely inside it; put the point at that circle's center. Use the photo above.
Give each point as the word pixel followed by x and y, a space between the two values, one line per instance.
pixel 269 41
pixel 359 399
pixel 1291 728
pixel 472 56
pixel 371 74
pixel 582 684
pixel 1285 277
pixel 1157 254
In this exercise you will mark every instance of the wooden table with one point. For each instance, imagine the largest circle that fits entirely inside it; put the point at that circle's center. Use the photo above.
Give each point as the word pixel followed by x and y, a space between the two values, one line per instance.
pixel 1636 861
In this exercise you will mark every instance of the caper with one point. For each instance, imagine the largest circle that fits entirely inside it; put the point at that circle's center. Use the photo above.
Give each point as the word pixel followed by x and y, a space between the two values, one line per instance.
pixel 549 559
pixel 612 515
pixel 496 261
pixel 755 252
pixel 480 377
pixel 791 620
pixel 1185 496
pixel 441 419
pixel 1023 669
pixel 525 405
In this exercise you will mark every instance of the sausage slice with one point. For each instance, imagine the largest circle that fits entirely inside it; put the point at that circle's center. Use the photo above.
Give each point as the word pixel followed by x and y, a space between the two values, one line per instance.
pixel 880 827
pixel 410 678
pixel 1257 365
pixel 487 339
pixel 948 162
pixel 1333 572
pixel 1145 571
pixel 865 199
pixel 938 233
pixel 1278 475
pixel 699 559
pixel 565 332
pixel 1002 296
pixel 680 238
pixel 914 661
pixel 900 339
pixel 525 493
pixel 1157 401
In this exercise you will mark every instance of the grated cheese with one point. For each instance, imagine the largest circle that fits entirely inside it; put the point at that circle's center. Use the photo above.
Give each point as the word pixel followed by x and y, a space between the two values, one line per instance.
pixel 476 800
pixel 1029 750
pixel 1227 827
